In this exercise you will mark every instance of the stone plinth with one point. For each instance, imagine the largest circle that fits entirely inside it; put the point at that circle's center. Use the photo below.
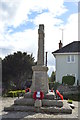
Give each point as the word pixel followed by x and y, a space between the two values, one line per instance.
pixel 40 79
pixel 38 103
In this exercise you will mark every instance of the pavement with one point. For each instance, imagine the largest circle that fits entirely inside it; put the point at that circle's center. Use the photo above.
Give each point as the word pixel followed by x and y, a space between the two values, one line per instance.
pixel 7 101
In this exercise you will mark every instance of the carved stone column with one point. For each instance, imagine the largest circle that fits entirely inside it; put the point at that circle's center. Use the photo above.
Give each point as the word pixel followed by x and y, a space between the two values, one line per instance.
pixel 40 45
pixel 40 77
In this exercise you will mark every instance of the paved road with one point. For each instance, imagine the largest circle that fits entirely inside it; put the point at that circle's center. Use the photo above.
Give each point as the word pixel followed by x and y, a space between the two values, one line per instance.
pixel 6 102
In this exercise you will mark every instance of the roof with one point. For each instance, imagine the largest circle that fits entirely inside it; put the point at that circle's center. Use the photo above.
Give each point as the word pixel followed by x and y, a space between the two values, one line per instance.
pixel 70 48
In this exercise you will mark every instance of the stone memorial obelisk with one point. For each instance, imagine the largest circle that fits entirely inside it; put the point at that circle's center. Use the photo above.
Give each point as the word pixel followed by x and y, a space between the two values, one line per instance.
pixel 40 77
pixel 39 83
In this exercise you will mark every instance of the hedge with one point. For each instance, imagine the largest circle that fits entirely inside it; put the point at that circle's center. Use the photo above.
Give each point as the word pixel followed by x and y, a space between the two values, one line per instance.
pixel 69 80
pixel 16 93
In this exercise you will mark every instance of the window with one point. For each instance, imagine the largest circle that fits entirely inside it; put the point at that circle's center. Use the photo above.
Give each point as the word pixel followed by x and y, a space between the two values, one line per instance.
pixel 70 58
pixel 68 74
pixel 74 75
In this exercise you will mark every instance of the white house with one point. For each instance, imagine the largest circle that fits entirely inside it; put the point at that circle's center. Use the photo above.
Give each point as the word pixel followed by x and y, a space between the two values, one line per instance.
pixel 68 61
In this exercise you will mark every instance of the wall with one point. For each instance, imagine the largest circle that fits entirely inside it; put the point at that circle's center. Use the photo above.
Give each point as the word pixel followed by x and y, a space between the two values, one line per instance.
pixel 79 68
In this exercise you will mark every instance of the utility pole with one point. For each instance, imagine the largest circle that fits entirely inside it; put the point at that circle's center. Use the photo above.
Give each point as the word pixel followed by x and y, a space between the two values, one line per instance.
pixel 62 34
pixel 46 58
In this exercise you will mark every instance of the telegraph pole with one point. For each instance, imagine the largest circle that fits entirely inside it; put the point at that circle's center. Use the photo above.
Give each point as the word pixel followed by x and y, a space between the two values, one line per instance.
pixel 46 58
pixel 62 33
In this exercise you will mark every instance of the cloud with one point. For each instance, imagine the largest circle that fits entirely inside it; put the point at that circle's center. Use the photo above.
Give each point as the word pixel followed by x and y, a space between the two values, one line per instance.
pixel 71 29
pixel 71 1
pixel 51 69
pixel 52 32
pixel 6 51
pixel 15 12
pixel 24 41
pixel 7 12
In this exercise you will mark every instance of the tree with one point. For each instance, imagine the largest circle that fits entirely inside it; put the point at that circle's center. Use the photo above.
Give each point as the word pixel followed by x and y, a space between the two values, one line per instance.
pixel 52 78
pixel 17 68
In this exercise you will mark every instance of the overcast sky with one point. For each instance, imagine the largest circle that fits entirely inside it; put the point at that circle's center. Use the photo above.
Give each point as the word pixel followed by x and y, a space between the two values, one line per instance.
pixel 19 23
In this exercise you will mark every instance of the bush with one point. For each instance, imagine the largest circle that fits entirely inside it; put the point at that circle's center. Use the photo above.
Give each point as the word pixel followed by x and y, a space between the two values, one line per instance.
pixel 51 85
pixel 69 80
pixel 16 93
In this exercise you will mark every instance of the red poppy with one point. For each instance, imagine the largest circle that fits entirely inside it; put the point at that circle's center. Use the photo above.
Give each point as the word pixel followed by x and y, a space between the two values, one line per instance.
pixel 51 90
pixel 28 90
pixel 38 95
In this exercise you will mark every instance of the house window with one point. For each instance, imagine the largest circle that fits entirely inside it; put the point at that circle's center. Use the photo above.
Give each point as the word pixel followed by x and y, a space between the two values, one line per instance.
pixel 74 75
pixel 68 74
pixel 70 58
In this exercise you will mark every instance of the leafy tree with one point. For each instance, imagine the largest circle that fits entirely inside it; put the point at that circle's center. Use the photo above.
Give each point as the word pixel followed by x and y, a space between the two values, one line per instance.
pixel 17 68
pixel 52 78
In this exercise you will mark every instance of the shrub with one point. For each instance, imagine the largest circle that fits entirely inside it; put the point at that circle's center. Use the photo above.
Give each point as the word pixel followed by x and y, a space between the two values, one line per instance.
pixel 69 80
pixel 56 84
pixel 15 93
pixel 51 85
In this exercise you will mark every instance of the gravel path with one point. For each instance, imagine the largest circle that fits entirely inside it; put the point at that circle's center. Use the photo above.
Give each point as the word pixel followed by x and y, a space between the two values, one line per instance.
pixel 6 102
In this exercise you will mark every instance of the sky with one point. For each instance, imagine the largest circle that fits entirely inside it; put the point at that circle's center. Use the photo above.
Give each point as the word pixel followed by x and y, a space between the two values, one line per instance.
pixel 19 23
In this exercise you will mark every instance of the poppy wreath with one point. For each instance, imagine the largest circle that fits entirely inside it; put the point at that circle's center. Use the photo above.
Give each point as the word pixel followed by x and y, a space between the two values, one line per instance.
pixel 27 90
pixel 35 95
pixel 58 93
pixel 51 90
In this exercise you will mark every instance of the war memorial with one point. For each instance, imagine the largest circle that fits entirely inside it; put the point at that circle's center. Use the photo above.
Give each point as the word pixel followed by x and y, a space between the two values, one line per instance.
pixel 40 100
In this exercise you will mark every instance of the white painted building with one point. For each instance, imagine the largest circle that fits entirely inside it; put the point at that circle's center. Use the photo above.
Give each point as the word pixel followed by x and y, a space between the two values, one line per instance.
pixel 68 61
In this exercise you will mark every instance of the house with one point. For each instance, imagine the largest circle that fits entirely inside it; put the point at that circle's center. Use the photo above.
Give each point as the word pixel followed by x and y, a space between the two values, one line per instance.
pixel 68 61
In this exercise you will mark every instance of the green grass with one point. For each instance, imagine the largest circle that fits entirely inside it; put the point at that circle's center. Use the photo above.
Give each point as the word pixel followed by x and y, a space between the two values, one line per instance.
pixel 70 101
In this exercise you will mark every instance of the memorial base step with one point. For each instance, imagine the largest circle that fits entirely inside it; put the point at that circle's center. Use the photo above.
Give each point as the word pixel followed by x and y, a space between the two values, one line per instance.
pixel 45 102
pixel 48 110
pixel 44 109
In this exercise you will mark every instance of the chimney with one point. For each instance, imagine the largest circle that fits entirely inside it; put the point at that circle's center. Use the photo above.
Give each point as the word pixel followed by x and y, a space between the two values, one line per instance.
pixel 60 44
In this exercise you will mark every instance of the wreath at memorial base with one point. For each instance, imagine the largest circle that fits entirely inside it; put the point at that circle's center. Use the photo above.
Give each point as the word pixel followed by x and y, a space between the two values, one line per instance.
pixel 27 90
pixel 58 93
pixel 38 95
